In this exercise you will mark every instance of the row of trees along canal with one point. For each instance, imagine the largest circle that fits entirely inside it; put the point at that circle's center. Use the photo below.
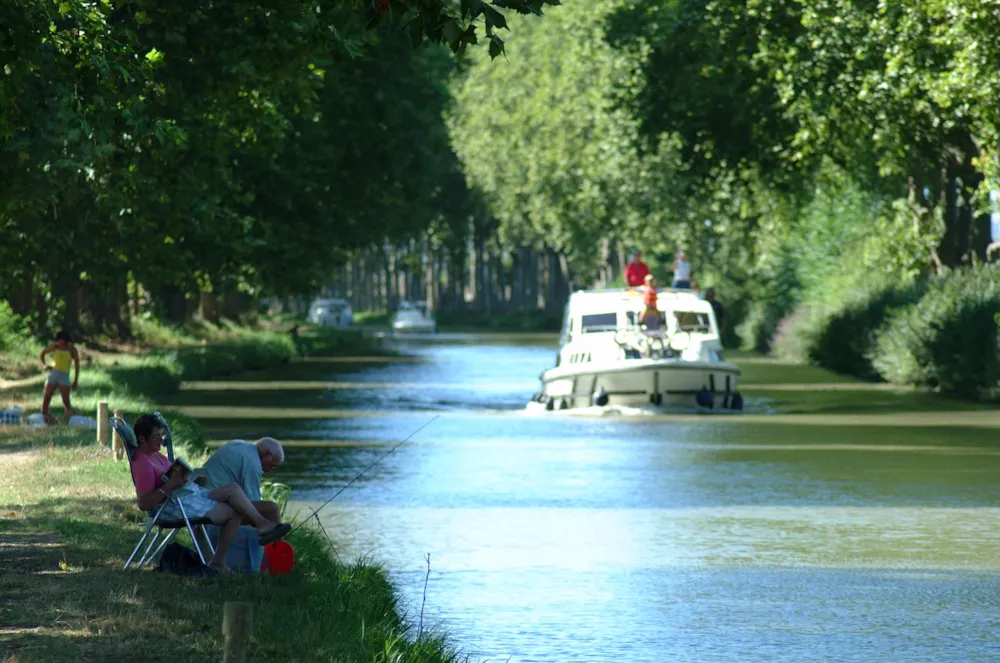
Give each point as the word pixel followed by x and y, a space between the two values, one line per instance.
pixel 175 156
pixel 271 149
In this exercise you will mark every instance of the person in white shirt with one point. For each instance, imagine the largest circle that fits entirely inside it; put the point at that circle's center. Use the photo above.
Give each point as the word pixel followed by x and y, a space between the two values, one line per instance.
pixel 682 271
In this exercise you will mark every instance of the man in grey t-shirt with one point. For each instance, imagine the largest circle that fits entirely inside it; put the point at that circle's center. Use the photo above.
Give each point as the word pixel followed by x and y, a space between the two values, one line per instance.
pixel 244 463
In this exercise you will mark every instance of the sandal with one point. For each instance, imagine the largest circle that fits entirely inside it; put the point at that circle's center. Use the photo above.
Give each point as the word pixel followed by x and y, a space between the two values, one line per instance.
pixel 276 533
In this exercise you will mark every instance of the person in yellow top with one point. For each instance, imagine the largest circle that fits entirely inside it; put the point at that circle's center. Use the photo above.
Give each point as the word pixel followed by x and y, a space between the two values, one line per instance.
pixel 63 351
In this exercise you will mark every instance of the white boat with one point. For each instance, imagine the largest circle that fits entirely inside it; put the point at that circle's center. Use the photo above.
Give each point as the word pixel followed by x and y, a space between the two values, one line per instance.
pixel 414 317
pixel 331 313
pixel 606 357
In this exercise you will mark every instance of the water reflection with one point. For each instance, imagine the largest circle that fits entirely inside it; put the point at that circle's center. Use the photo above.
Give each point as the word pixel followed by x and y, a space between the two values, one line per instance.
pixel 851 525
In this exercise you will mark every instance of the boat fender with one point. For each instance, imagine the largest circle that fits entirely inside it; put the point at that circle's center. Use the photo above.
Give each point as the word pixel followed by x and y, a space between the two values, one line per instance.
pixel 563 405
pixel 704 398
pixel 600 397
pixel 550 404
pixel 736 402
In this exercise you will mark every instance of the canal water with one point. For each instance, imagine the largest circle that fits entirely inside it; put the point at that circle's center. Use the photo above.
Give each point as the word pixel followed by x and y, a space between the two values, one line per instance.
pixel 833 521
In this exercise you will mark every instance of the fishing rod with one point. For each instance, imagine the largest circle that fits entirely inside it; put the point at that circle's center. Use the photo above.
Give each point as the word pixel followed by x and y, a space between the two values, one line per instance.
pixel 378 460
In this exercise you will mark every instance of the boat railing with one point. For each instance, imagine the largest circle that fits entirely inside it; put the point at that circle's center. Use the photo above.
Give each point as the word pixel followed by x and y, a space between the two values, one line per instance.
pixel 611 291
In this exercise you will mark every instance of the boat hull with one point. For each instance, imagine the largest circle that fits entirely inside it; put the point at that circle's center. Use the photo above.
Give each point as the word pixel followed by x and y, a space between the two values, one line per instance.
pixel 640 382
pixel 414 327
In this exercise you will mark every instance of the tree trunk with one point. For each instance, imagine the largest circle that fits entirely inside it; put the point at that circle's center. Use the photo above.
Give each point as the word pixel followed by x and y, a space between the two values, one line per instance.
pixel 23 294
pixel 517 280
pixel 501 279
pixel 532 291
pixel 73 296
pixel 41 312
pixel 209 307
pixel 135 297
pixel 123 324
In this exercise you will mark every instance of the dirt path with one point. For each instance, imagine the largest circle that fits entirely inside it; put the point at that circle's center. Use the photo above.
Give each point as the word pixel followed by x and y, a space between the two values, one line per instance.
pixel 8 385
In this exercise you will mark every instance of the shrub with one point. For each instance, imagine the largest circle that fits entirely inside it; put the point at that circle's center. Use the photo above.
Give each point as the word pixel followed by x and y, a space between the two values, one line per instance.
pixel 949 339
pixel 844 342
pixel 759 326
pixel 795 336
pixel 14 332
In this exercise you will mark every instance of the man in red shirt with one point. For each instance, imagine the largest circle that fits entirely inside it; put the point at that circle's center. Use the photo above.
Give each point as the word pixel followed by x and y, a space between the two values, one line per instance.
pixel 636 271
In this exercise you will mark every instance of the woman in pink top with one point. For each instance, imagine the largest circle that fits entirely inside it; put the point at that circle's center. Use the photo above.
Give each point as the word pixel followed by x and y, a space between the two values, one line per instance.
pixel 226 506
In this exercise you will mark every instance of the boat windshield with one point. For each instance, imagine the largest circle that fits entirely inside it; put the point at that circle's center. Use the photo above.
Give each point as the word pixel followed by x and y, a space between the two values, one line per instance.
pixel 599 322
pixel 693 321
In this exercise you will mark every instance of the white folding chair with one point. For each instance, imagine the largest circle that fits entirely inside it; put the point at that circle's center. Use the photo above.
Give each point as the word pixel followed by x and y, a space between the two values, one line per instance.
pixel 153 522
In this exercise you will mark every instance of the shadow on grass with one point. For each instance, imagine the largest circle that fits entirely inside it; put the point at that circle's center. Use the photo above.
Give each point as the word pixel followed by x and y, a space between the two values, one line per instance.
pixel 77 604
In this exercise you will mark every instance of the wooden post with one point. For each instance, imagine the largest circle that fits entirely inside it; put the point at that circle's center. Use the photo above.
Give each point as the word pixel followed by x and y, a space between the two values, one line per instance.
pixel 236 626
pixel 117 443
pixel 102 423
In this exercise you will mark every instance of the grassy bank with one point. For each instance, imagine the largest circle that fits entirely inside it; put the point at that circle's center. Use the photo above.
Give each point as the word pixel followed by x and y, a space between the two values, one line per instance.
pixel 159 359
pixel 67 522
pixel 938 333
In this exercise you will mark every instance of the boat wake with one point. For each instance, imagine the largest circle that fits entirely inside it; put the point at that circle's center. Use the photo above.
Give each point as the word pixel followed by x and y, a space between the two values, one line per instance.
pixel 536 408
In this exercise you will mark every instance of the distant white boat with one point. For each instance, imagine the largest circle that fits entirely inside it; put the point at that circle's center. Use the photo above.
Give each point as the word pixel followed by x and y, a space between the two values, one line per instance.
pixel 606 357
pixel 331 313
pixel 414 317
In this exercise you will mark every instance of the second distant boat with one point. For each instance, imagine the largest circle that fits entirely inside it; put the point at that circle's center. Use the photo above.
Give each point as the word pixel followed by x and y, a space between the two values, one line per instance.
pixel 414 317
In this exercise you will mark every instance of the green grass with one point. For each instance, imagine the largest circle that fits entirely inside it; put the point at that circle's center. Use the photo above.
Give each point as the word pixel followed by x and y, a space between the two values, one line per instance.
pixel 135 381
pixel 373 318
pixel 68 521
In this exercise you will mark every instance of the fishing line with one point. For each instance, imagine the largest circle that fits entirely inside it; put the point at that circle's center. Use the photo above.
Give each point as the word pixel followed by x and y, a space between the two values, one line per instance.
pixel 376 462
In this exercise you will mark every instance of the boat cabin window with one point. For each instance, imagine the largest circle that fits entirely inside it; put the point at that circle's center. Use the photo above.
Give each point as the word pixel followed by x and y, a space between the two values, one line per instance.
pixel 693 321
pixel 599 322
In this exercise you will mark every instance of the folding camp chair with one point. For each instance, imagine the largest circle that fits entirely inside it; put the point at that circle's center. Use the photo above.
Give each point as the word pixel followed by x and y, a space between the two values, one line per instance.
pixel 154 521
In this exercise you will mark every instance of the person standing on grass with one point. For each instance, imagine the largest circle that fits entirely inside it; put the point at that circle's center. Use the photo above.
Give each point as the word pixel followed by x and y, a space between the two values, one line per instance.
pixel 63 352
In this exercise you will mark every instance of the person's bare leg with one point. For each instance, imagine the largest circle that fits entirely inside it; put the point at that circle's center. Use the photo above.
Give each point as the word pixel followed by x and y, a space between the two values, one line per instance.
pixel 269 510
pixel 234 496
pixel 46 399
pixel 227 534
pixel 64 392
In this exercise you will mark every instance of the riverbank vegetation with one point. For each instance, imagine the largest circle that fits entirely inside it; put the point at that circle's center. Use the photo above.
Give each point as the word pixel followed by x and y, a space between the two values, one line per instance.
pixel 158 358
pixel 68 523
pixel 822 165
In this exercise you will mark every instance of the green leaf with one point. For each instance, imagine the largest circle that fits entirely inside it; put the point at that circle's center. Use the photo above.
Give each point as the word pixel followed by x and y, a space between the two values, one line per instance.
pixel 415 31
pixel 451 32
pixel 494 19
pixel 496 47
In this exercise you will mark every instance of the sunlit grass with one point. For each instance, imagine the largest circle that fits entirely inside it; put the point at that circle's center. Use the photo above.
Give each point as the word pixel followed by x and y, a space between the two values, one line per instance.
pixel 67 517
pixel 68 521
